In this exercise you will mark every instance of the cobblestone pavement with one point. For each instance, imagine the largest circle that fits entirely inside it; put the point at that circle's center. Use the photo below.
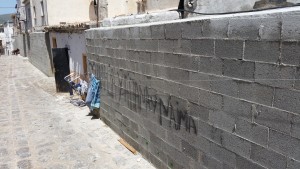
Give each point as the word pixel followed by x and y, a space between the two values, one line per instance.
pixel 40 129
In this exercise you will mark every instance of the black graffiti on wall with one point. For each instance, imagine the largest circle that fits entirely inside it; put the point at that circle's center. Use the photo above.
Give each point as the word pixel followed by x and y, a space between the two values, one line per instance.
pixel 140 97
pixel 176 116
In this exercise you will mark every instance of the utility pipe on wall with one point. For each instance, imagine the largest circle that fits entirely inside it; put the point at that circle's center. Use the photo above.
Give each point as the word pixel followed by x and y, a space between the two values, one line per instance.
pixel 97 24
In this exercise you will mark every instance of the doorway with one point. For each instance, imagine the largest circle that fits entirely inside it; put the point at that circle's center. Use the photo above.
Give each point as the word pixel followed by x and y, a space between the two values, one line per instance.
pixel 61 69
pixel 84 66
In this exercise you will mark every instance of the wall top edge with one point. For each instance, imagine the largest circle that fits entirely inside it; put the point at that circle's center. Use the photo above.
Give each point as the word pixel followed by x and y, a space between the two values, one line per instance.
pixel 289 11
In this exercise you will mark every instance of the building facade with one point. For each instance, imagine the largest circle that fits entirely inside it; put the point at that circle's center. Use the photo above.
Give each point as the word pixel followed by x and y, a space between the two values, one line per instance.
pixel 42 13
pixel 20 19
pixel 114 8
pixel 36 15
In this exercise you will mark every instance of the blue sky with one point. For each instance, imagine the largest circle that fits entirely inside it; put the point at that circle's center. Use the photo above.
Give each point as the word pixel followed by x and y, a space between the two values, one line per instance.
pixel 7 3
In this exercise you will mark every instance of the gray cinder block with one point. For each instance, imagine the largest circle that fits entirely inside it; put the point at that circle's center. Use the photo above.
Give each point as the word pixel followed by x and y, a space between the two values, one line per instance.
pixel 230 49
pixel 287 100
pixel 210 132
pixel 203 47
pixel 224 85
pixel 173 31
pixel 266 51
pixel 157 32
pixel 145 32
pixel 290 53
pixel 210 65
pixel 284 144
pixel 274 118
pixel 222 120
pixel 239 69
pixel 189 150
pixel 237 108
pixel 223 154
pixel 210 100
pixel 293 164
pixel 236 144
pixel 243 163
pixel 255 92
pixel 252 131
pixel 290 27
pixel 267 157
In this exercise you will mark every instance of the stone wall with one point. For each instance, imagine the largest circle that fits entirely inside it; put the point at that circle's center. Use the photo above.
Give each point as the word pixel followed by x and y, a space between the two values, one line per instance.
pixel 219 92
pixel 39 52
pixel 140 18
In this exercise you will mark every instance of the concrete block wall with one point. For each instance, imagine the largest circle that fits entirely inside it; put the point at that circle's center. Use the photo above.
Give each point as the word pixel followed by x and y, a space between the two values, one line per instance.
pixel 20 43
pixel 219 92
pixel 39 52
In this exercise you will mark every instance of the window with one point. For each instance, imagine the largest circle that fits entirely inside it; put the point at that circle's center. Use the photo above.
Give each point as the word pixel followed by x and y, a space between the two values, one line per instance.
pixel 34 16
pixel 28 18
pixel 34 12
pixel 54 44
pixel 43 13
pixel 42 8
pixel 43 20
pixel 141 6
pixel 84 64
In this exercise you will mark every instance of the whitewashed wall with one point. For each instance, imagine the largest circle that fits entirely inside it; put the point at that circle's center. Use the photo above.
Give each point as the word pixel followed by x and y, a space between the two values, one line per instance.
pixel 69 11
pixel 76 44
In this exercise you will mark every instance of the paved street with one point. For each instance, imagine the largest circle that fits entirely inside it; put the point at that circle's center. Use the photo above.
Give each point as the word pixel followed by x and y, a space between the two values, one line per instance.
pixel 41 129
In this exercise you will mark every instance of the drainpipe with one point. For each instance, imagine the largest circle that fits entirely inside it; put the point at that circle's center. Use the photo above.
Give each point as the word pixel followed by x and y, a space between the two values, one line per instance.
pixel 46 13
pixel 97 13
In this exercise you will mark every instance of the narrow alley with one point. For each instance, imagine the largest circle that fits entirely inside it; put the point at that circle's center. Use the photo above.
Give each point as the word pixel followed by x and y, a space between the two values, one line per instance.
pixel 41 129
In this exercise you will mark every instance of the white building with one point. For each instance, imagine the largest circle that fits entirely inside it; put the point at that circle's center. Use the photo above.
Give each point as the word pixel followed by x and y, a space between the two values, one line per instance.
pixel 2 42
pixel 75 42
pixel 7 37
